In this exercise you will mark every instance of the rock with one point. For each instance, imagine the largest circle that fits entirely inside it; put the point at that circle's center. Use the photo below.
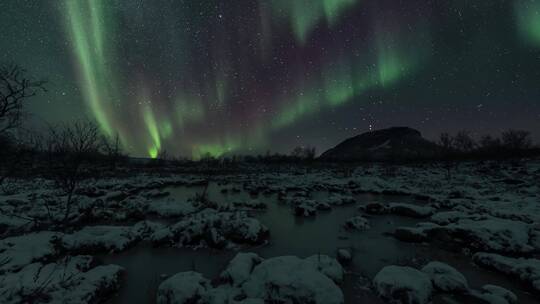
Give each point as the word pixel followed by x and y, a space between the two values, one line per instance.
pixel 116 196
pixel 71 280
pixel 171 208
pixel 493 294
pixel 357 223
pixel 213 228
pixel 144 229
pixel 327 266
pixel 506 294
pixel 17 252
pixel 240 268
pixel 93 239
pixel 393 143
pixel 404 284
pixel 488 234
pixel 182 288
pixel 305 209
pixel 155 193
pixel 249 279
pixel 323 206
pixel 291 280
pixel 410 210
pixel 252 204
pixel 340 200
pixel 526 270
pixel 344 256
pixel 411 234
pixel 446 278
pixel 376 208
pixel 447 217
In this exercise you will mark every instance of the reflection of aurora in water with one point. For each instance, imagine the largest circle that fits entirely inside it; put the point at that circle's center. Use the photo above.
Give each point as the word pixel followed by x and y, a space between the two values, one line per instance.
pixel 211 77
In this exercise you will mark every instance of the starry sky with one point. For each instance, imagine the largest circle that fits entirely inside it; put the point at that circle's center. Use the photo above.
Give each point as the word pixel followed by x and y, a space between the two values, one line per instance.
pixel 240 76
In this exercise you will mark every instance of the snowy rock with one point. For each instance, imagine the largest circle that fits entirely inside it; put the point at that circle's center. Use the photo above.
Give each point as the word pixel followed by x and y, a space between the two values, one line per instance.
pixel 357 223
pixel 500 292
pixel 252 204
pixel 410 210
pixel 339 200
pixel 305 209
pixel 445 277
pixel 344 256
pixel 182 288
pixel 410 234
pixel 144 229
pixel 11 223
pixel 376 208
pixel 402 209
pixel 323 206
pixel 171 208
pixel 404 284
pixel 17 252
pixel 116 196
pixel 526 270
pixel 212 228
pixel 327 265
pixel 251 301
pixel 494 295
pixel 240 268
pixel 155 193
pixel 292 280
pixel 100 238
pixel 447 217
pixel 72 280
pixel 491 234
pixel 249 279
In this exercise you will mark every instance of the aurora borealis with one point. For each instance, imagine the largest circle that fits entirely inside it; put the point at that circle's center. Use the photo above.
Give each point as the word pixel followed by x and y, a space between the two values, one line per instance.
pixel 213 77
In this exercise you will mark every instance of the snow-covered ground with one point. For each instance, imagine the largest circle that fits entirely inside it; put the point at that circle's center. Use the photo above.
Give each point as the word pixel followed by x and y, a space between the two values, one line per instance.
pixel 487 212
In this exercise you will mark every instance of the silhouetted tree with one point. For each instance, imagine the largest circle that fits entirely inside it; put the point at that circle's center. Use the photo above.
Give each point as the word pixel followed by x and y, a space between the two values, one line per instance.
pixel 463 142
pixel 303 153
pixel 446 141
pixel 489 143
pixel 112 150
pixel 15 88
pixel 72 146
pixel 516 139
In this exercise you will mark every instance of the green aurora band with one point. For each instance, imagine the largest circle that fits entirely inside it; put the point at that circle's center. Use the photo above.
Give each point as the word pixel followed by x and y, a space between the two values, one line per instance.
pixel 528 20
pixel 332 84
pixel 86 24
pixel 305 15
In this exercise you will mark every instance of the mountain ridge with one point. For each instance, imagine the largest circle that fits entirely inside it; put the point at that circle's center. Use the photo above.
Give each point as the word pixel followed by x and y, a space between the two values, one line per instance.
pixel 395 143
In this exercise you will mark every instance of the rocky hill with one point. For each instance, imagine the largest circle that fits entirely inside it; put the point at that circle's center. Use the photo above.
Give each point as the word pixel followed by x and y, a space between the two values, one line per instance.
pixel 397 143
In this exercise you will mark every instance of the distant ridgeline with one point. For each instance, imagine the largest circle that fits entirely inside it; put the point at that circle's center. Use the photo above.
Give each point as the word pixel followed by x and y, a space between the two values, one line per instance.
pixel 398 143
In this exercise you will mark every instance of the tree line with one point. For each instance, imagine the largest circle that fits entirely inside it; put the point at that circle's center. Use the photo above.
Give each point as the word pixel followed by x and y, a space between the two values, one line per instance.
pixel 511 143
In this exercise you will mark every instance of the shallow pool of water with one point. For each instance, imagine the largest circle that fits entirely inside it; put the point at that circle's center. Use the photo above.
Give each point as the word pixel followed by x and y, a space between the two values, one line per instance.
pixel 289 235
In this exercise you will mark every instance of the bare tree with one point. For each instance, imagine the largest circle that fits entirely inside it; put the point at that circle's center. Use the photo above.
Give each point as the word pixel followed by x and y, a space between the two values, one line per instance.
pixel 516 139
pixel 112 149
pixel 72 146
pixel 15 88
pixel 18 153
pixel 488 142
pixel 303 153
pixel 446 141
pixel 463 141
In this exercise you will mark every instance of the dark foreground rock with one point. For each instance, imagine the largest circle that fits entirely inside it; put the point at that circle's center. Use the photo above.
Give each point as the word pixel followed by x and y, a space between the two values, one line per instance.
pixel 251 279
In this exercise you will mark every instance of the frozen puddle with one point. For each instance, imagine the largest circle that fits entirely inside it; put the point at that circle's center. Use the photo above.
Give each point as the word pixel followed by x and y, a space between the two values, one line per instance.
pixel 372 249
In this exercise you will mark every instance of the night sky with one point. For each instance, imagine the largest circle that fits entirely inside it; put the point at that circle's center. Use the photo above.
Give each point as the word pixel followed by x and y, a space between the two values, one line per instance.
pixel 237 76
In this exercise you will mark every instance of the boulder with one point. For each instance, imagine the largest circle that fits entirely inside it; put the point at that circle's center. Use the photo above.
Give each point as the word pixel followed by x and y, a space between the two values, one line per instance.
pixel 445 277
pixel 403 284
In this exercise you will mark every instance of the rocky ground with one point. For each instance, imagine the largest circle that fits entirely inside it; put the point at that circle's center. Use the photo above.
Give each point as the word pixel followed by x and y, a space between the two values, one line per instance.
pixel 488 211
